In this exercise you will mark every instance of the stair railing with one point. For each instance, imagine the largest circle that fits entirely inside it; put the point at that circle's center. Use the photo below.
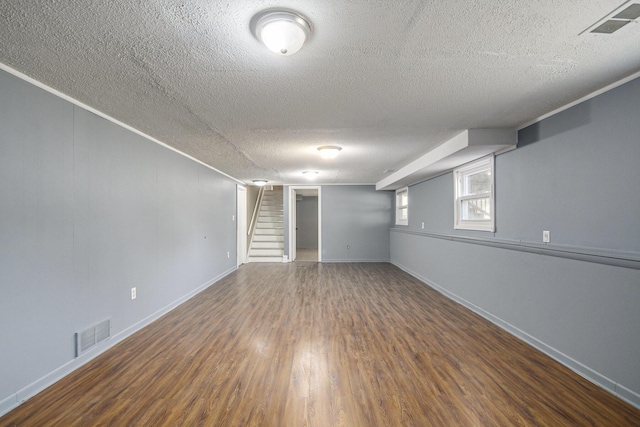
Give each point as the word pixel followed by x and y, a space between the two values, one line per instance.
pixel 254 217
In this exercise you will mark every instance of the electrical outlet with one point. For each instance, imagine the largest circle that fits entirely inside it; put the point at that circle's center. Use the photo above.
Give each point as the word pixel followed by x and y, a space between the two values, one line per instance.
pixel 546 238
pixel 233 217
pixel 228 254
pixel 423 225
pixel 133 293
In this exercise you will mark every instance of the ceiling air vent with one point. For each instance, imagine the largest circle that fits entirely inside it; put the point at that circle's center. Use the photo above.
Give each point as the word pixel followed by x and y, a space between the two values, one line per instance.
pixel 628 12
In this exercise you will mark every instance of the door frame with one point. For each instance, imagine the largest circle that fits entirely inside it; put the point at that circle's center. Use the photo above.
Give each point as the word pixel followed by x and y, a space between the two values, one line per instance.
pixel 241 225
pixel 292 219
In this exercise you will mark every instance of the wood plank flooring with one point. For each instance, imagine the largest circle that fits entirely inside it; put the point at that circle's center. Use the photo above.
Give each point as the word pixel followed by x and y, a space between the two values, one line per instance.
pixel 307 255
pixel 307 344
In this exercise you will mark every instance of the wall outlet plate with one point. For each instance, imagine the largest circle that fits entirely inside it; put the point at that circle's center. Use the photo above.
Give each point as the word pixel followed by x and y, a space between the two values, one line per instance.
pixel 133 293
pixel 546 237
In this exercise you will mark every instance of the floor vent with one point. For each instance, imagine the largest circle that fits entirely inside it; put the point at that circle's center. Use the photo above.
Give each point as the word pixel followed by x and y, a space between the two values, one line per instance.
pixel 88 338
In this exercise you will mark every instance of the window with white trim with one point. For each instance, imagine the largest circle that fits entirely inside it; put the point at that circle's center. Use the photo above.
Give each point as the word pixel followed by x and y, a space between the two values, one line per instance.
pixel 402 206
pixel 474 201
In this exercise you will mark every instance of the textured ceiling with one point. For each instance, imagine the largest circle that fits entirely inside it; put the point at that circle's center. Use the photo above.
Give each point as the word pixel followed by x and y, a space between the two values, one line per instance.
pixel 386 80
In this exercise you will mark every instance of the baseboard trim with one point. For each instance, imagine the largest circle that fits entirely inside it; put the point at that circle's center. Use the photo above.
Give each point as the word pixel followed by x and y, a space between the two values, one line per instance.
pixel 149 319
pixel 627 395
pixel 8 403
pixel 15 399
pixel 353 260
pixel 584 371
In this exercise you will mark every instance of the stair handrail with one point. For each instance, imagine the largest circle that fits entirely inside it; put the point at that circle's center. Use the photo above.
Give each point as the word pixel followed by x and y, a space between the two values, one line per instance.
pixel 256 209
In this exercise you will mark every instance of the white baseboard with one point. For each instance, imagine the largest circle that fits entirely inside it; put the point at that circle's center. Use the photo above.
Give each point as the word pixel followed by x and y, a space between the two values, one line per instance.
pixel 15 399
pixel 584 371
pixel 8 403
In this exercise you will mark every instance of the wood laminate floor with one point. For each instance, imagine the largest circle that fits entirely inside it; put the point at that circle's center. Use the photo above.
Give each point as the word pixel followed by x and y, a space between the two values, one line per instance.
pixel 307 255
pixel 308 344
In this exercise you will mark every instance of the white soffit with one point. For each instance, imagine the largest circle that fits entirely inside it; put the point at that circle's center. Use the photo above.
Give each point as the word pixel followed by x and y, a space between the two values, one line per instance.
pixel 468 145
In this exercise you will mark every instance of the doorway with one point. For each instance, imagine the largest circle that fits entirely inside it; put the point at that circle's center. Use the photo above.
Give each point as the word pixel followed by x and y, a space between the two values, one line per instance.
pixel 305 236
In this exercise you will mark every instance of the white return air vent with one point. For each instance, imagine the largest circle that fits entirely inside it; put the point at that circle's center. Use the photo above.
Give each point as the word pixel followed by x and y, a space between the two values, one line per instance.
pixel 91 336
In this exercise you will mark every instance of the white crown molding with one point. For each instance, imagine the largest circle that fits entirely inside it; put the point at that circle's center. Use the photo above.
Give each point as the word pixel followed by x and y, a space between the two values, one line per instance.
pixel 77 103
pixel 581 100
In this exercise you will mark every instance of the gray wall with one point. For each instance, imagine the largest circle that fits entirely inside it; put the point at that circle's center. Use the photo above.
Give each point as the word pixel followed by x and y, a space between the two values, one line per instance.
pixel 354 215
pixel 575 174
pixel 307 223
pixel 87 211
pixel 357 216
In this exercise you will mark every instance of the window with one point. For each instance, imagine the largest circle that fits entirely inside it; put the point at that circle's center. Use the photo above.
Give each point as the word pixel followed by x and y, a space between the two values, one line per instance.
pixel 402 206
pixel 474 202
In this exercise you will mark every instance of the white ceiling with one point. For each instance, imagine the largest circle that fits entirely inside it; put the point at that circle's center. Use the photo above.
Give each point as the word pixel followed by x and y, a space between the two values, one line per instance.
pixel 386 80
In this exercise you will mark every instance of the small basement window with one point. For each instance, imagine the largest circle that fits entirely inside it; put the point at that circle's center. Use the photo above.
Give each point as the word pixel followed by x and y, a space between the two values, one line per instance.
pixel 402 206
pixel 474 200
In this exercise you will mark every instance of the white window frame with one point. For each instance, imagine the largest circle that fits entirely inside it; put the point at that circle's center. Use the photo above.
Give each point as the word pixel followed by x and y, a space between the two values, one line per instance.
pixel 459 175
pixel 399 207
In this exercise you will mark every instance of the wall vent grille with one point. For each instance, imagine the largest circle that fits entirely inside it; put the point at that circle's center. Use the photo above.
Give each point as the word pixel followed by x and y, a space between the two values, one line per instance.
pixel 87 339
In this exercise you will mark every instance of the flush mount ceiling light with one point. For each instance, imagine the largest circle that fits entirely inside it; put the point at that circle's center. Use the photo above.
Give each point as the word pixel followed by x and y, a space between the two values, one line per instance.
pixel 310 174
pixel 260 182
pixel 282 31
pixel 329 151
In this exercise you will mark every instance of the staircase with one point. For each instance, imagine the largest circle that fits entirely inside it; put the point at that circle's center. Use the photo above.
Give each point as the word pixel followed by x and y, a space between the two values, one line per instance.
pixel 267 244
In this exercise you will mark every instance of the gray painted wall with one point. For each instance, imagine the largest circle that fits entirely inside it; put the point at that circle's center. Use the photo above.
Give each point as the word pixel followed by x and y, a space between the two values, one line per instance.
pixel 358 216
pixel 575 174
pixel 87 211
pixel 354 215
pixel 307 223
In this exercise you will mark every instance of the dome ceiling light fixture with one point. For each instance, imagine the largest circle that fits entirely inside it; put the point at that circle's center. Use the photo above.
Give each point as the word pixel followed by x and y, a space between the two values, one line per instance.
pixel 260 182
pixel 310 174
pixel 329 151
pixel 282 31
